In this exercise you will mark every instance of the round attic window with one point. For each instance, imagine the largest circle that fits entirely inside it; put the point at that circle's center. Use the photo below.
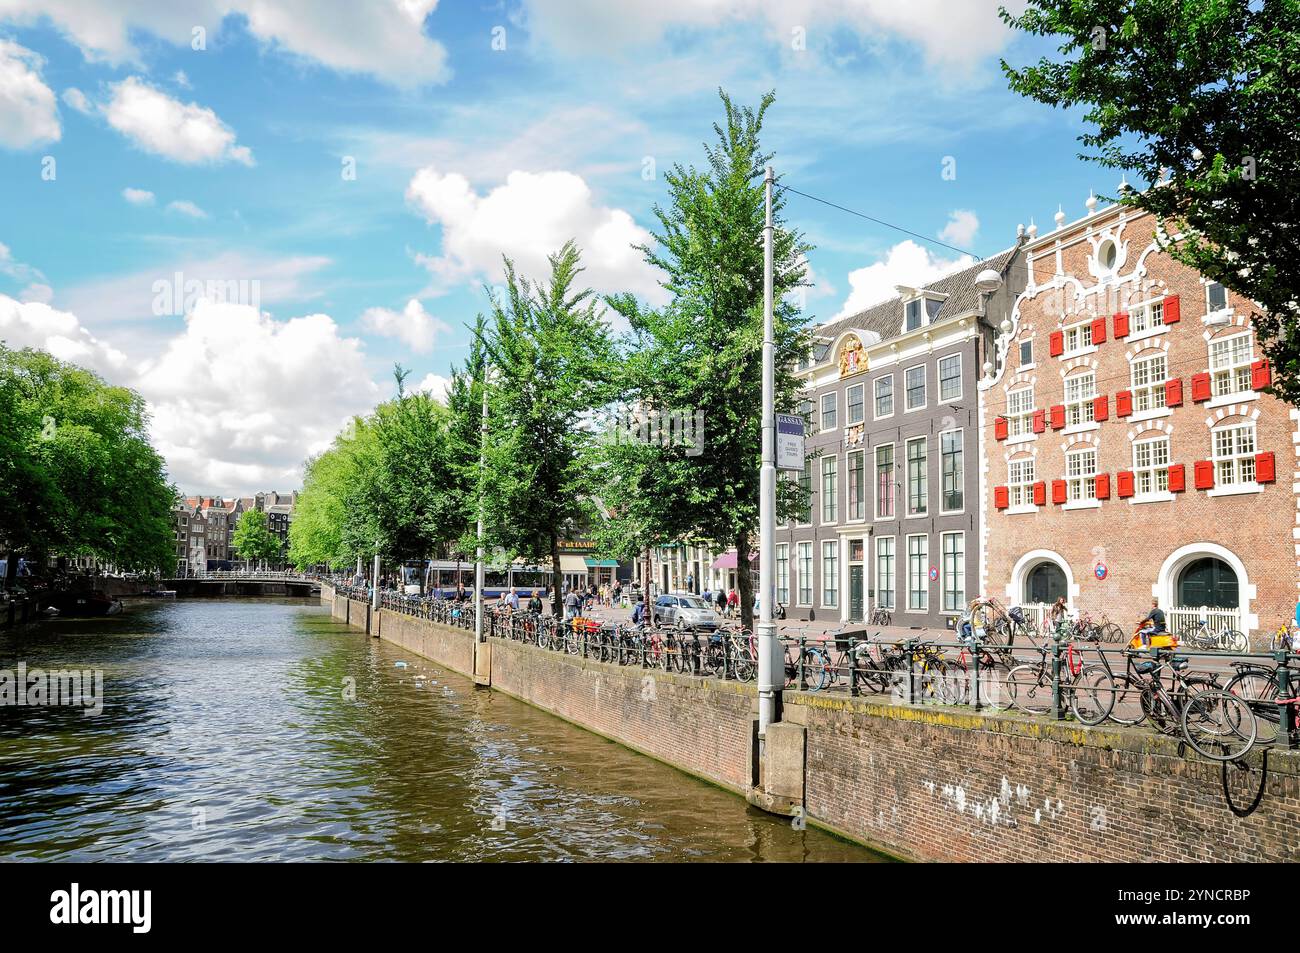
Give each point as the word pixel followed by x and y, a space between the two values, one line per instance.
pixel 1106 255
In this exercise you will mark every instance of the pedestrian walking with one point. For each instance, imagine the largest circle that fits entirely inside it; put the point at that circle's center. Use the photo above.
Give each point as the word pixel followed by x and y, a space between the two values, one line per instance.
pixel 572 606
pixel 733 603
pixel 721 600
pixel 512 600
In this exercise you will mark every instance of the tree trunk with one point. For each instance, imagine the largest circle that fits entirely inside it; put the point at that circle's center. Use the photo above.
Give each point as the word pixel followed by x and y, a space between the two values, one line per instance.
pixel 11 569
pixel 556 610
pixel 745 581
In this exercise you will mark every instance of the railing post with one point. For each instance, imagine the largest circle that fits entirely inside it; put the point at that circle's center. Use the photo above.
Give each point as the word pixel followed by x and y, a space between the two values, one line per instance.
pixel 911 671
pixel 853 667
pixel 1056 678
pixel 803 680
pixel 1285 735
pixel 975 685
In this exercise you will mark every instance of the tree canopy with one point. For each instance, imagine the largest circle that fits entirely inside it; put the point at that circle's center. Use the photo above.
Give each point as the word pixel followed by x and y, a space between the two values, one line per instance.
pixel 252 539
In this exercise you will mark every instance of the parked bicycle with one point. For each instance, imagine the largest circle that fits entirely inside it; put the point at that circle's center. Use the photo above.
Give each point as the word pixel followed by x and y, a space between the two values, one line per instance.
pixel 1199 635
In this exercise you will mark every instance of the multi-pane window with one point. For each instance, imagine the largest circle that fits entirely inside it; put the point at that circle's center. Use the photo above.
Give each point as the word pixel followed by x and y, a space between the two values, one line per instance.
pixel 857 475
pixel 885 481
pixel 913 314
pixel 1146 317
pixel 1149 377
pixel 951 465
pixel 918 487
pixel 954 572
pixel 1081 475
pixel 884 396
pixel 1216 297
pixel 1026 352
pixel 1078 337
pixel 885 572
pixel 918 580
pixel 830 490
pixel 1020 482
pixel 808 410
pixel 915 385
pixel 1020 411
pixel 950 378
pixel 830 574
pixel 1151 466
pixel 805 574
pixel 1230 364
pixel 853 405
pixel 829 412
pixel 1234 455
pixel 783 573
pixel 1080 390
pixel 805 491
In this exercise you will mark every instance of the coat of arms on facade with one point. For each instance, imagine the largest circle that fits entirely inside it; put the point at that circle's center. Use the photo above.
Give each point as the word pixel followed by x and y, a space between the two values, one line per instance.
pixel 853 358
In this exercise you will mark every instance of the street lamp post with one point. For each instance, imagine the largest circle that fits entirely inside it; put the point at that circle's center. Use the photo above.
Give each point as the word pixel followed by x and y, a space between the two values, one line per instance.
pixel 478 563
pixel 768 689
pixel 374 589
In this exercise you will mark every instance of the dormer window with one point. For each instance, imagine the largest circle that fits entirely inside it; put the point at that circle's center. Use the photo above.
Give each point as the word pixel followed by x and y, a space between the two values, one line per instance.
pixel 913 315
pixel 920 311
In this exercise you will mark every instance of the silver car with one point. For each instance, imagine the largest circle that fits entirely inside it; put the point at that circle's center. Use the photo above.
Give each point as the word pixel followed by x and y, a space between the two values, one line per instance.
pixel 685 611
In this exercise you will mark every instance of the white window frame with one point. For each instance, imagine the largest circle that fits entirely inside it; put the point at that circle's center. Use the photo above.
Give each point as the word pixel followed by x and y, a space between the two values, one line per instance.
pixel 1081 330
pixel 1021 345
pixel 1239 463
pixel 893 482
pixel 1235 368
pixel 835 411
pixel 783 573
pixel 830 574
pixel 875 397
pixel 1148 390
pixel 1209 305
pixel 849 515
pixel 924 461
pixel 1146 317
pixel 830 495
pixel 848 405
pixel 1079 406
pixel 1020 490
pixel 1151 467
pixel 892 557
pixel 907 391
pixel 961 482
pixel 1081 474
pixel 1020 421
pixel 945 573
pixel 812 493
pixel 924 591
pixel 944 360
pixel 804 554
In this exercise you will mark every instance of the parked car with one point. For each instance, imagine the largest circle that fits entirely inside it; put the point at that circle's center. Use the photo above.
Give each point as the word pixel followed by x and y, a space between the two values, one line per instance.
pixel 684 611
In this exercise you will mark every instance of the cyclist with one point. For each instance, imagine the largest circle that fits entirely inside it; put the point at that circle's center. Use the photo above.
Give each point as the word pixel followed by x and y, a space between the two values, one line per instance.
pixel 638 613
pixel 1153 624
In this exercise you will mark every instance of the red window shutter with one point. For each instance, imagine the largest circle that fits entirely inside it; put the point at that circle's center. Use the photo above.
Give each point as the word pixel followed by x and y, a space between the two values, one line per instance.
pixel 1100 408
pixel 1200 387
pixel 1058 416
pixel 1040 493
pixel 1001 498
pixel 1058 491
pixel 1177 478
pixel 1056 344
pixel 1265 470
pixel 1124 483
pixel 1171 309
pixel 1203 474
pixel 1098 330
pixel 1174 392
pixel 1040 421
pixel 1124 403
pixel 1121 324
pixel 1103 486
pixel 1260 375
pixel 1000 428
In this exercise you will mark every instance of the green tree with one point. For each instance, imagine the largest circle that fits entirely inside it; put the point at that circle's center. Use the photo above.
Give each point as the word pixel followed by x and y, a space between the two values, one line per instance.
pixel 326 523
pixel 702 354
pixel 551 360
pixel 81 478
pixel 252 540
pixel 1206 95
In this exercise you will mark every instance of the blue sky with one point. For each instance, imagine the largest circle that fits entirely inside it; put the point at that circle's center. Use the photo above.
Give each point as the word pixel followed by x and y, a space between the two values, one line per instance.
pixel 474 129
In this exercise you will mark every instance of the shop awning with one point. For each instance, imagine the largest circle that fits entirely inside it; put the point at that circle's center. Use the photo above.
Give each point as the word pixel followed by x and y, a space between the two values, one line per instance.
pixel 573 564
pixel 728 560
pixel 601 563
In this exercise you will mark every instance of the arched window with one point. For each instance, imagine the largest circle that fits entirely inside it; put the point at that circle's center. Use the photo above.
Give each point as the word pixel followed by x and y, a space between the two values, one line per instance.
pixel 1208 582
pixel 1045 583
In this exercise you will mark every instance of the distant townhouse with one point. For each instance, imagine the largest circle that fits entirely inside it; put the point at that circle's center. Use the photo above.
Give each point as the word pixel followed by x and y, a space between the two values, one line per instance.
pixel 891 477
pixel 1130 449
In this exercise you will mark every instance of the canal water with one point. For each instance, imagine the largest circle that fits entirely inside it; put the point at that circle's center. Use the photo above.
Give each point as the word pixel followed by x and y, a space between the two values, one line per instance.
pixel 264 730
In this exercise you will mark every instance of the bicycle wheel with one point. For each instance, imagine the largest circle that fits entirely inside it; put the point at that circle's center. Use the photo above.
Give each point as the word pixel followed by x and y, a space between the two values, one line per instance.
pixel 1111 632
pixel 1092 695
pixel 1218 725
pixel 816 669
pixel 1029 690
pixel 1234 641
pixel 1258 688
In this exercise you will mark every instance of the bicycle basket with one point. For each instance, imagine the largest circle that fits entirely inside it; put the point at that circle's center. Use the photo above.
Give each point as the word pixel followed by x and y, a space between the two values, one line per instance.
pixel 1017 615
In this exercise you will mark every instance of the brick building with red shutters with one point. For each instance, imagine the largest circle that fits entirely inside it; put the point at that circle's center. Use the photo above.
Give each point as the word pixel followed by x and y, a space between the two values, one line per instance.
pixel 1128 448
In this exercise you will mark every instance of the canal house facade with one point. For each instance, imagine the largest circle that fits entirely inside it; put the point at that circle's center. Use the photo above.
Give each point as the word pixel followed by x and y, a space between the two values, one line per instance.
pixel 891 476
pixel 1130 449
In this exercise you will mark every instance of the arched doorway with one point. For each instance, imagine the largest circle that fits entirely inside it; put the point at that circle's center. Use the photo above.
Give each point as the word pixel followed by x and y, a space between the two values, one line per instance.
pixel 1208 581
pixel 1045 583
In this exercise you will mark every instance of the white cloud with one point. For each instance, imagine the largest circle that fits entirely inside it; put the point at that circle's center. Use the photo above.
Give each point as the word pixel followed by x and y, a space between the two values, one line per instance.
pixel 414 326
pixel 77 100
pixel 15 269
pixel 29 115
pixel 907 263
pixel 952 34
pixel 180 79
pixel 384 39
pixel 186 207
pixel 961 228
pixel 138 196
pixel 36 324
pixel 435 385
pixel 237 399
pixel 167 127
pixel 37 292
pixel 526 219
